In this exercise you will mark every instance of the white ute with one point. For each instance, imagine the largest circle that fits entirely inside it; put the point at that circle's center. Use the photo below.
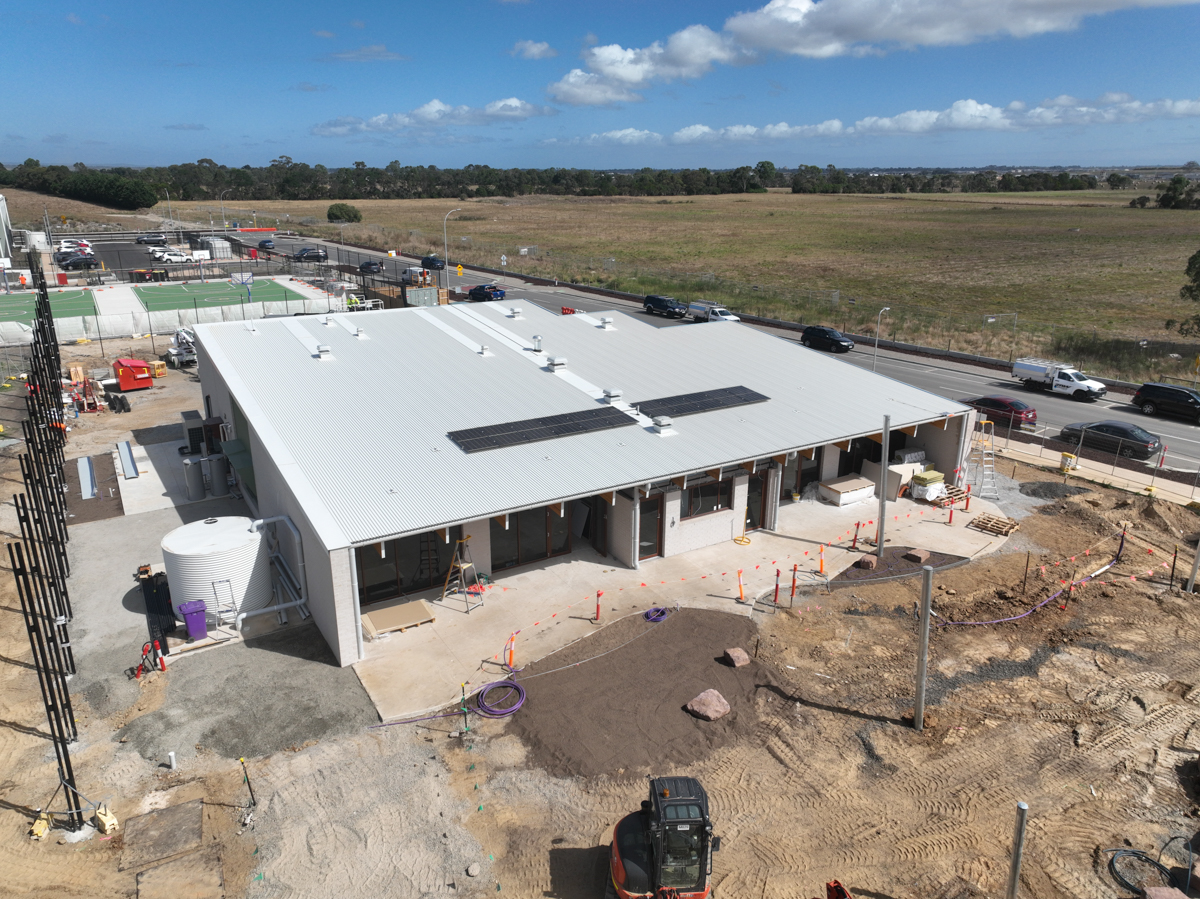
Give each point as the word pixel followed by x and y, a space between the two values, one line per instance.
pixel 1057 377
pixel 710 312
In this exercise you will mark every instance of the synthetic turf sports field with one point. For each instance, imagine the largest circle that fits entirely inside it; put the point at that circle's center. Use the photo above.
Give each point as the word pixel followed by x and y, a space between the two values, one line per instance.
pixel 68 304
pixel 218 293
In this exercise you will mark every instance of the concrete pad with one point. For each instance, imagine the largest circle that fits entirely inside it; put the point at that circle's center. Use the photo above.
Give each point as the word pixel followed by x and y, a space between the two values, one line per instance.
pixel 195 876
pixel 159 484
pixel 552 604
pixel 117 299
pixel 163 833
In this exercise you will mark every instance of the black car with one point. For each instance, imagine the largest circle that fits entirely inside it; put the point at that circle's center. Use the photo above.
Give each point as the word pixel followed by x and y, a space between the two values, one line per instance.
pixel 155 240
pixel 311 254
pixel 371 267
pixel 818 337
pixel 267 244
pixel 1116 437
pixel 63 255
pixel 485 292
pixel 668 306
pixel 433 263
pixel 79 261
pixel 1168 399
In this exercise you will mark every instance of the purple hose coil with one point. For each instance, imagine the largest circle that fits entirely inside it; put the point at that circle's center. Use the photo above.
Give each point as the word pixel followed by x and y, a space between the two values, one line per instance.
pixel 498 709
pixel 655 614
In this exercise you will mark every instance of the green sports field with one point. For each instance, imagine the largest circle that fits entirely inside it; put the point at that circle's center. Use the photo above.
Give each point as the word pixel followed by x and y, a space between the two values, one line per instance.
pixel 67 304
pixel 222 293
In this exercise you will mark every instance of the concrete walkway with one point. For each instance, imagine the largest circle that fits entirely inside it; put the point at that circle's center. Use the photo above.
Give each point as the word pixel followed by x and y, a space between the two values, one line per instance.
pixel 551 605
pixel 117 299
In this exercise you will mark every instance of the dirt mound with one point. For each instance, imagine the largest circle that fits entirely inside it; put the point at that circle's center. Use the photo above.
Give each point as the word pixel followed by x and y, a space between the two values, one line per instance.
pixel 1051 490
pixel 624 710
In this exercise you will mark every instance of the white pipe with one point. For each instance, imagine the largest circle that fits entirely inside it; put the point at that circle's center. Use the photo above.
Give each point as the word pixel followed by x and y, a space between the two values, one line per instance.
pixel 237 622
pixel 358 636
pixel 302 581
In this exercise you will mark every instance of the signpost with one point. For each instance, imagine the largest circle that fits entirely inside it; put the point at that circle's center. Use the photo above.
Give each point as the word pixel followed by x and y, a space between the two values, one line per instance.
pixel 459 270
pixel 504 260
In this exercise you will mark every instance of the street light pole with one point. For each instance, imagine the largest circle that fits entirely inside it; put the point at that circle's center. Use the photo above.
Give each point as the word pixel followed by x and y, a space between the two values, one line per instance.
pixel 169 212
pixel 221 200
pixel 878 320
pixel 446 244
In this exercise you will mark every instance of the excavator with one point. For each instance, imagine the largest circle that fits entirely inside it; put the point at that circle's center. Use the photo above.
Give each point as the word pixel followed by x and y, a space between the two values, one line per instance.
pixel 664 851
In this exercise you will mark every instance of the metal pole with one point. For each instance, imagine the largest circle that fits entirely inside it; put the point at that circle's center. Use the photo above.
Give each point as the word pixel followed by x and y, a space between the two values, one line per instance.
pixel 221 200
pixel 1191 584
pixel 878 319
pixel 446 244
pixel 923 651
pixel 1018 851
pixel 883 481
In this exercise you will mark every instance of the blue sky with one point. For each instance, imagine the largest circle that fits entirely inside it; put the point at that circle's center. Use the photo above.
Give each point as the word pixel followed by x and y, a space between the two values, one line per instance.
pixel 614 85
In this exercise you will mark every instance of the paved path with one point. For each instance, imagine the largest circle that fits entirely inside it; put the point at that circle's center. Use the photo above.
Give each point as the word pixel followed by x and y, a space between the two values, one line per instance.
pixel 117 300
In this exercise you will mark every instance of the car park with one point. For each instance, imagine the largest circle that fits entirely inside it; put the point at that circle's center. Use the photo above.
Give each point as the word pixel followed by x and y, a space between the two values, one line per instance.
pixel 668 306
pixel 433 263
pixel 371 267
pixel 176 256
pixel 1117 437
pixel 311 254
pixel 1004 410
pixel 819 337
pixel 267 244
pixel 63 255
pixel 1168 399
pixel 485 292
pixel 74 245
pixel 77 262
pixel 154 239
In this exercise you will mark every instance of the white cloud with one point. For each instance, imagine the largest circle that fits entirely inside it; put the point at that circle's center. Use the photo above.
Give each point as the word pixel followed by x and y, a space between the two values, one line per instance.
pixel 963 115
pixel 821 30
pixel 580 88
pixel 326 34
pixel 434 114
pixel 627 136
pixel 373 53
pixel 694 134
pixel 533 50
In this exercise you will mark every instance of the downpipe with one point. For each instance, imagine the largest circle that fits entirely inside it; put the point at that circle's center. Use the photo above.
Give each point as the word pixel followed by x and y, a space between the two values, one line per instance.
pixel 294 586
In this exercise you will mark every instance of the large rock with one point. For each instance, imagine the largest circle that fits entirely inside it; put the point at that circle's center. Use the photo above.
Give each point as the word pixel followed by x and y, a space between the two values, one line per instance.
pixel 709 705
pixel 736 657
pixel 917 555
pixel 869 561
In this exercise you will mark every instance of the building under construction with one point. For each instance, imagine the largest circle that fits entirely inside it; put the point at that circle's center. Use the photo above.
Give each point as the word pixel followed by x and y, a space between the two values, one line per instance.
pixel 388 436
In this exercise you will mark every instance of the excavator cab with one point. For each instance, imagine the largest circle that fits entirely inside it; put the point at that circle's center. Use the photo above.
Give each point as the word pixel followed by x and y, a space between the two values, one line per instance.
pixel 665 849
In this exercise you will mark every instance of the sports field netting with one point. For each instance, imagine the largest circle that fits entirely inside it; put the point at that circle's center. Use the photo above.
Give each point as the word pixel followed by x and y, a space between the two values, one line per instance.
pixel 218 293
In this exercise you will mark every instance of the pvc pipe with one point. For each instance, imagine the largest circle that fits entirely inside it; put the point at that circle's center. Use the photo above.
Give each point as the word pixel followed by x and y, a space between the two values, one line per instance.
pixel 1191 584
pixel 237 622
pixel 302 581
pixel 171 759
pixel 358 629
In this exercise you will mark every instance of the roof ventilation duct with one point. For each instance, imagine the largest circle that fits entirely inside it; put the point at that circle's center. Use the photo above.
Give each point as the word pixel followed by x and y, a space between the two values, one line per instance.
pixel 662 425
pixel 537 343
pixel 514 311
pixel 324 350
pixel 606 324
pixel 557 362
pixel 612 395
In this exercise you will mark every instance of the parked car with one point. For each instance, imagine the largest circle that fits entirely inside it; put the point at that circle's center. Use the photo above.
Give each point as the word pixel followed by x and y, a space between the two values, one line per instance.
pixel 485 292
pixel 157 252
pixel 154 239
pixel 1004 410
pixel 371 267
pixel 79 261
pixel 267 244
pixel 668 306
pixel 176 256
pixel 414 276
pixel 311 254
pixel 1118 437
pixel 70 244
pixel 818 337
pixel 433 263
pixel 1168 399
pixel 63 255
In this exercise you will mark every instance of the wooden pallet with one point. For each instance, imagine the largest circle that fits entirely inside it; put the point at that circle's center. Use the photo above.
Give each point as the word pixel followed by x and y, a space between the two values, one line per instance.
pixel 994 524
pixel 397 615
pixel 953 495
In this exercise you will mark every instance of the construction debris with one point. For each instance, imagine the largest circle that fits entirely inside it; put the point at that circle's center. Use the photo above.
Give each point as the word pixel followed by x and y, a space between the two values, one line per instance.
pixel 994 524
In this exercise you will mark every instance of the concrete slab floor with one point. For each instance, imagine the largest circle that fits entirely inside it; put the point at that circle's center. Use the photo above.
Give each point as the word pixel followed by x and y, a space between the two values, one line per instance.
pixel 551 605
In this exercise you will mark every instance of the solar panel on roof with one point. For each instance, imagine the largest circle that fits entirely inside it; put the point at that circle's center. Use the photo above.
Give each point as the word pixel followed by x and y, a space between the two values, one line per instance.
pixel 704 401
pixel 532 430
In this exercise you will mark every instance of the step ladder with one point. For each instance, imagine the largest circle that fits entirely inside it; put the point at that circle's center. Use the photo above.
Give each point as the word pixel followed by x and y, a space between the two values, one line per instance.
pixel 459 577
pixel 981 465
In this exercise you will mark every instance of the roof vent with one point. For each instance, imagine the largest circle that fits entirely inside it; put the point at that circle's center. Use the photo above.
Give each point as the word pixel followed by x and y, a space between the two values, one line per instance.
pixel 662 425
pixel 612 395
pixel 323 350
pixel 537 343
pixel 483 349
pixel 514 311
pixel 557 362
pixel 606 324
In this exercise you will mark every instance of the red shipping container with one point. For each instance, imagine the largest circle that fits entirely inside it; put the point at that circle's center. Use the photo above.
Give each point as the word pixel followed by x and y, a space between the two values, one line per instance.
pixel 133 374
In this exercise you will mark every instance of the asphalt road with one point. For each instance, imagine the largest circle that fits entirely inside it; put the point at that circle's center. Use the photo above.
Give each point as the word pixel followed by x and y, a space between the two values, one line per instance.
pixel 951 380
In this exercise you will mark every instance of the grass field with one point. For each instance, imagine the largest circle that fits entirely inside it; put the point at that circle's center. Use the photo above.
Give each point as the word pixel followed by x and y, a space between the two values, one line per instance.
pixel 68 304
pixel 955 269
pixel 190 296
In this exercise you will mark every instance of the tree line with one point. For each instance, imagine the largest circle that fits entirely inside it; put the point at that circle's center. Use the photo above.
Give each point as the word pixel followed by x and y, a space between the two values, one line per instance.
pixel 286 179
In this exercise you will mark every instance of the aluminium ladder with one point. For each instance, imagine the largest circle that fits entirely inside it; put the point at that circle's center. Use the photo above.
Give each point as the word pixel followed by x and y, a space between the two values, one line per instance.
pixel 458 578
pixel 981 465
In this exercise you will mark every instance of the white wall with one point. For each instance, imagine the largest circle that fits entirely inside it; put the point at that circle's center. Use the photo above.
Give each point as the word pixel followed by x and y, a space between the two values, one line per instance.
pixel 481 544
pixel 944 448
pixel 623 545
pixel 831 457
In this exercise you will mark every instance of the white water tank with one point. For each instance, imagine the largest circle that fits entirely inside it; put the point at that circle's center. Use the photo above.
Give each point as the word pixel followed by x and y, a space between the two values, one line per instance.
pixel 221 562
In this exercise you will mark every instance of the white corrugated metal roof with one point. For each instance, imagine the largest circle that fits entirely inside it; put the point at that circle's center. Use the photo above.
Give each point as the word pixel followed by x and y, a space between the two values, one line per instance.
pixel 360 432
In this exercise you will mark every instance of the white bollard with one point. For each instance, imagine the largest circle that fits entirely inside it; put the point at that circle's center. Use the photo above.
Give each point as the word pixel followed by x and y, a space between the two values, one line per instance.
pixel 171 758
